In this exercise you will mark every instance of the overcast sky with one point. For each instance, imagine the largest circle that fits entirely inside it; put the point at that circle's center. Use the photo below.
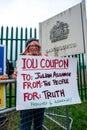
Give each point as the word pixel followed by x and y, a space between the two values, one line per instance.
pixel 28 13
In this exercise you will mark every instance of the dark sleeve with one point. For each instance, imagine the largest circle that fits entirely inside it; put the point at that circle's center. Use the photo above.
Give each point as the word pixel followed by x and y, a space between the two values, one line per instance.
pixel 9 68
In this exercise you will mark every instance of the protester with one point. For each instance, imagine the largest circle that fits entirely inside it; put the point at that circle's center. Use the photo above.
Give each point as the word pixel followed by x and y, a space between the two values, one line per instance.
pixel 30 116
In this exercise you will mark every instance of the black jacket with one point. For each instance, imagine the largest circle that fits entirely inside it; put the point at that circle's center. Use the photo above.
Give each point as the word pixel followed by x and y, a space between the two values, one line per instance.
pixel 9 68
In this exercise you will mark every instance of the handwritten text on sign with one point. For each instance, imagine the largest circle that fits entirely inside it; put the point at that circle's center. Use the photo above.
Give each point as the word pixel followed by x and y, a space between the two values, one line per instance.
pixel 46 82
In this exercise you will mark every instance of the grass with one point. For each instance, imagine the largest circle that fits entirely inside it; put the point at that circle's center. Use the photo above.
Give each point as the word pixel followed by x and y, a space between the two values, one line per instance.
pixel 79 115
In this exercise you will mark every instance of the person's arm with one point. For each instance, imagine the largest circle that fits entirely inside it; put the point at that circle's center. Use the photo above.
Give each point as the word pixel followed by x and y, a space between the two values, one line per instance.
pixel 9 68
pixel 4 77
pixel 14 75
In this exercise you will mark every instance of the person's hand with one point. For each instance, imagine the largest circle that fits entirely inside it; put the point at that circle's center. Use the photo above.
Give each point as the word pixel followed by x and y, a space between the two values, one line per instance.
pixel 14 75
pixel 4 77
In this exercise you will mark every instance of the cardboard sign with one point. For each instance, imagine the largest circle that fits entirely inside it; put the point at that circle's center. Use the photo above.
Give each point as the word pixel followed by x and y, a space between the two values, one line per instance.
pixel 46 82
pixel 2 71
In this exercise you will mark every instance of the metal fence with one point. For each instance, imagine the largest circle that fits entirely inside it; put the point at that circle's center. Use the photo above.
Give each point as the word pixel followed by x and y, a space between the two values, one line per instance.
pixel 57 117
pixel 14 39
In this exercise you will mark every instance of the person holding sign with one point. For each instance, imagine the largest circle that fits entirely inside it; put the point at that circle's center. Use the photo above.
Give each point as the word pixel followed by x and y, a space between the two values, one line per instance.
pixel 36 116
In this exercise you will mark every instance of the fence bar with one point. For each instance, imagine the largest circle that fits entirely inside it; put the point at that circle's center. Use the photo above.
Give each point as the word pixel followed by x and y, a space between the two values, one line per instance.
pixel 7 41
pixel 11 45
pixel 7 110
pixel 7 81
